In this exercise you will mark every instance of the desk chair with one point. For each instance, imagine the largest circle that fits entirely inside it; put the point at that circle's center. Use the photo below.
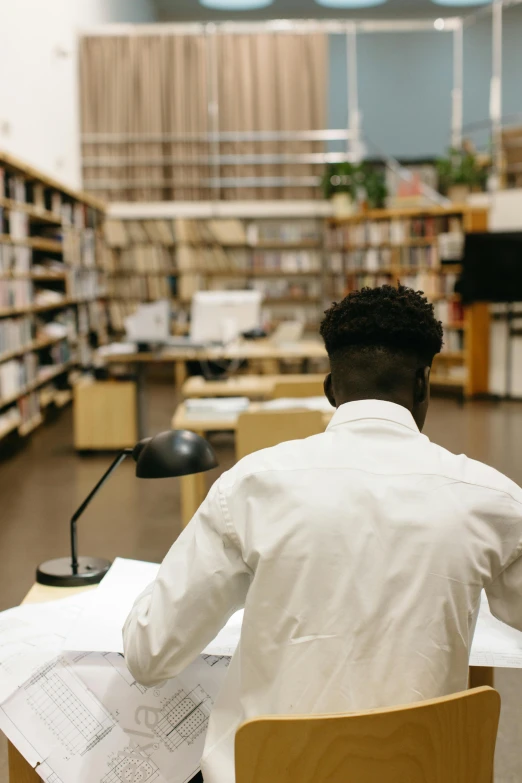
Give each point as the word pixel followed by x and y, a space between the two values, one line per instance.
pixel 447 740
pixel 261 429
pixel 302 387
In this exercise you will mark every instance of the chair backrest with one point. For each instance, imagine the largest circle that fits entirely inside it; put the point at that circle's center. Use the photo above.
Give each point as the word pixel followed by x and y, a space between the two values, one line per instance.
pixel 261 429
pixel 447 740
pixel 306 387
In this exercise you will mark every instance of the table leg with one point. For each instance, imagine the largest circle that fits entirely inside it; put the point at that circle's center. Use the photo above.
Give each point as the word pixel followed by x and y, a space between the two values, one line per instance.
pixel 20 771
pixel 141 399
pixel 193 491
pixel 180 373
pixel 481 675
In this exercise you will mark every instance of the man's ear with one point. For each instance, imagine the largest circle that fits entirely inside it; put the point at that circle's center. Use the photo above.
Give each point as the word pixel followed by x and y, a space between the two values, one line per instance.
pixel 422 384
pixel 328 390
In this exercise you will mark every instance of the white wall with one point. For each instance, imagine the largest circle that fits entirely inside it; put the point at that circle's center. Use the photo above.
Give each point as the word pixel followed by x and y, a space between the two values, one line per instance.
pixel 39 113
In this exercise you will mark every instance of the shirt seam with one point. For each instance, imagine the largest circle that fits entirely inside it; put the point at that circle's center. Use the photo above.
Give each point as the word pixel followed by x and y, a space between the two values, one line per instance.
pixel 518 552
pixel 333 423
pixel 373 473
pixel 229 527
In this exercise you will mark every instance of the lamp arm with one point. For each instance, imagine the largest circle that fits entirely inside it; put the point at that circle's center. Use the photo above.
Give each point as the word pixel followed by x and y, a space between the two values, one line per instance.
pixel 77 514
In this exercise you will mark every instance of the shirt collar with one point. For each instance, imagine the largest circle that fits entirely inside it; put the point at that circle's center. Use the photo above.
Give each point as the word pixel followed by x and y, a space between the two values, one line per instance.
pixel 373 409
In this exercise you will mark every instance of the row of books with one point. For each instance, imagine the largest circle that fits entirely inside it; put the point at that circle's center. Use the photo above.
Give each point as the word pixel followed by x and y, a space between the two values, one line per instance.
pixel 453 341
pixel 16 374
pixel 91 318
pixel 450 312
pixel 10 419
pixel 285 261
pixel 15 293
pixel 27 191
pixel 125 233
pixel 420 257
pixel 15 259
pixel 292 232
pixel 15 333
pixel 14 223
pixel 139 287
pixel 29 409
pixel 221 231
pixel 433 285
pixel 142 259
pixel 394 231
pixel 79 247
pixel 340 286
pixel 119 310
pixel 287 289
pixel 86 284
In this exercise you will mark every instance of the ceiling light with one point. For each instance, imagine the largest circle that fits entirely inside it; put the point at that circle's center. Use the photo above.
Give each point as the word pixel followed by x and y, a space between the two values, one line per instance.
pixel 459 3
pixel 438 24
pixel 349 4
pixel 235 5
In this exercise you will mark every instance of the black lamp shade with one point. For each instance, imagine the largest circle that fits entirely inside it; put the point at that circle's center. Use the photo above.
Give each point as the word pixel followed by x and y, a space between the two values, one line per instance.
pixel 173 453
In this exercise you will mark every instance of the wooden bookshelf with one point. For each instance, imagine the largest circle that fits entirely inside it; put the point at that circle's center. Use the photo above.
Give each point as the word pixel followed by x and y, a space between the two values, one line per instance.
pixel 423 235
pixel 50 241
pixel 218 248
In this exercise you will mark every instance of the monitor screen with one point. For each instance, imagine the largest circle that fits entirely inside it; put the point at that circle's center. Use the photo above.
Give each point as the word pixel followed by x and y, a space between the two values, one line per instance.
pixel 492 268
pixel 221 316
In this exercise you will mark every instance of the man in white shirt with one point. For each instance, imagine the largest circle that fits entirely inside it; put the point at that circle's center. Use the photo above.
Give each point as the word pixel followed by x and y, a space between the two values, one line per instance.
pixel 359 554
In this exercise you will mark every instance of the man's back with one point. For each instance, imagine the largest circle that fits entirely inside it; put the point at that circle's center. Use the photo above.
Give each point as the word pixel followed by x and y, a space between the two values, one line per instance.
pixel 362 553
pixel 359 554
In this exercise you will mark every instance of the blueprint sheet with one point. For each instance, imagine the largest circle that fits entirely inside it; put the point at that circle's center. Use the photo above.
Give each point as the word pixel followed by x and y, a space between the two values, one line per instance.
pixel 33 634
pixel 82 718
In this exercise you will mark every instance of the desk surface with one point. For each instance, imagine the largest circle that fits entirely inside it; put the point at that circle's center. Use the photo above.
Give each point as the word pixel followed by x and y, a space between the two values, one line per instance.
pixel 182 421
pixel 38 594
pixel 243 385
pixel 245 349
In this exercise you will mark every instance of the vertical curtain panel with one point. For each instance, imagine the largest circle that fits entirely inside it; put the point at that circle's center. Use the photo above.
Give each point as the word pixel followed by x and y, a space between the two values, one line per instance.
pixel 148 103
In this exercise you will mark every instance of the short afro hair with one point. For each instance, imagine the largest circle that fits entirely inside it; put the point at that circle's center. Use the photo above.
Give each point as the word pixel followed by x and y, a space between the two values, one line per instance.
pixel 397 319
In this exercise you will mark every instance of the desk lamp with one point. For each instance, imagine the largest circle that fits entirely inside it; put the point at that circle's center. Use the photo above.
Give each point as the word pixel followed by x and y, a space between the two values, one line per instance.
pixel 167 455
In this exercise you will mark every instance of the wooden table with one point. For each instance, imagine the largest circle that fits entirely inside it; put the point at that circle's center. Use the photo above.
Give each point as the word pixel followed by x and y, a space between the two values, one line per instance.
pixel 193 488
pixel 20 771
pixel 253 386
pixel 265 352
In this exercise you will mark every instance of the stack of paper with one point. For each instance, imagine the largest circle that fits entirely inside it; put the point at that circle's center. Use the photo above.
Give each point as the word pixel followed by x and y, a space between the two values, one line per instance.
pixel 225 408
pixel 296 403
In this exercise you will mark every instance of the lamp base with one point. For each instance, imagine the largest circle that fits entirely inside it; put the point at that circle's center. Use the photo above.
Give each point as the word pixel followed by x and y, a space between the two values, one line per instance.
pixel 59 572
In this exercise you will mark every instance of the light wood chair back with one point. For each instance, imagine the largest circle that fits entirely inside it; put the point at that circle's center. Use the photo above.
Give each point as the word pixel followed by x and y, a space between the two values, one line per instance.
pixel 305 387
pixel 261 429
pixel 447 740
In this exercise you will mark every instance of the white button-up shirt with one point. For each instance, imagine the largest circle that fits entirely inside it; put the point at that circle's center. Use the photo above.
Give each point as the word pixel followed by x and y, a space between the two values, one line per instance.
pixel 359 556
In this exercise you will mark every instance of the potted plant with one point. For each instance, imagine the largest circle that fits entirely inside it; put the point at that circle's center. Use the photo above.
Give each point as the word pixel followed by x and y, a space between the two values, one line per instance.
pixel 346 184
pixel 374 183
pixel 461 172
pixel 339 184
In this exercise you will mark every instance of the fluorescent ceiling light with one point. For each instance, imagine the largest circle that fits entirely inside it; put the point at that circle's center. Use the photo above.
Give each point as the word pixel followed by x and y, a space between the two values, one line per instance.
pixel 349 4
pixel 235 5
pixel 461 3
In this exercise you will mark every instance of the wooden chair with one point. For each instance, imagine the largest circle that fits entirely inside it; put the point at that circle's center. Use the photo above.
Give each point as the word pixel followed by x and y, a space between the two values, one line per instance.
pixel 261 429
pixel 447 740
pixel 305 387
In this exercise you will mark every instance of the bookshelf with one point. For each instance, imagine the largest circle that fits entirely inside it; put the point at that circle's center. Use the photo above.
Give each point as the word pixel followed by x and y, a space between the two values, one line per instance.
pixel 278 252
pixel 52 290
pixel 302 259
pixel 422 249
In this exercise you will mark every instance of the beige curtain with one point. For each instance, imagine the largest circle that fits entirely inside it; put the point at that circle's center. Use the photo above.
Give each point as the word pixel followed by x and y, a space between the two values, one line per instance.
pixel 145 85
pixel 272 82
pixel 158 85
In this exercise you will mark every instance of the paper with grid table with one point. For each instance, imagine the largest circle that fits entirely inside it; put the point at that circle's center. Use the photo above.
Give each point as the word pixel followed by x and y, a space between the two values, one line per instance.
pixel 72 708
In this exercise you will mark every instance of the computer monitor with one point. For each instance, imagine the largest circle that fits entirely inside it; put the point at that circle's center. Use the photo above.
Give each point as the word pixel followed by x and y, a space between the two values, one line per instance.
pixel 150 323
pixel 221 316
